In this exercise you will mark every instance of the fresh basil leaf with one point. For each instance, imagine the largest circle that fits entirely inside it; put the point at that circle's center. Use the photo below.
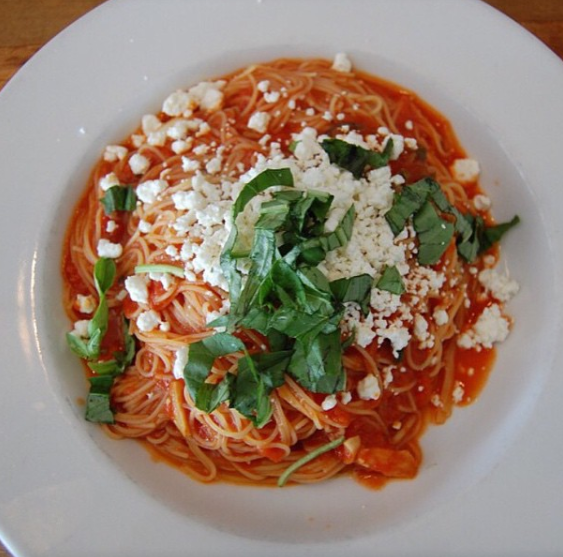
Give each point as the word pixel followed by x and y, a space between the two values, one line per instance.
pixel 107 367
pixel 434 234
pixel 119 198
pixel 407 203
pixel 201 356
pixel 78 345
pixel 257 376
pixel 264 180
pixel 391 281
pixel 493 234
pixel 355 289
pixel 98 403
pixel 99 321
pixel 355 158
pixel 104 274
pixel 314 251
pixel 273 214
pixel 318 365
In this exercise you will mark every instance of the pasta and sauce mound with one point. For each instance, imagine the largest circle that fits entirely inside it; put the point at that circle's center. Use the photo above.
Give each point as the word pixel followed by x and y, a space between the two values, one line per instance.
pixel 284 275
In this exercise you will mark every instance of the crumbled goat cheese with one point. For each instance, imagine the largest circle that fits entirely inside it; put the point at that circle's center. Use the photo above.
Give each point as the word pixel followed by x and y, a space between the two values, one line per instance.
pixel 111 226
pixel 259 121
pixel 458 392
pixel 481 202
pixel 178 129
pixel 180 146
pixel 139 164
pixel 491 327
pixel 144 226
pixel 206 95
pixel 136 286
pixel 180 361
pixel 114 153
pixel 345 397
pixel 440 317
pixel 85 304
pixel 501 286
pixel 329 403
pixel 214 165
pixel 177 103
pixel 368 388
pixel 106 248
pixel 272 97
pixel 341 63
pixel 465 170
pixel 150 123
pixel 108 181
pixel 148 191
pixel 148 321
pixel 80 329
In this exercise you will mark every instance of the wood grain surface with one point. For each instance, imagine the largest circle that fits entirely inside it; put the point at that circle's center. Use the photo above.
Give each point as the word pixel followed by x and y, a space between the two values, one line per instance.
pixel 26 25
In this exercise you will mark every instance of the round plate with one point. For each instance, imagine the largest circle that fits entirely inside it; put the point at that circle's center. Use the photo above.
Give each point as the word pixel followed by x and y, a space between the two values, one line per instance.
pixel 491 479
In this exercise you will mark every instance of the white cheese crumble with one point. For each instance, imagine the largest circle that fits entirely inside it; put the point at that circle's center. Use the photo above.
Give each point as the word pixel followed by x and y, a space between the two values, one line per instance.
pixel 458 392
pixel 490 327
pixel 80 329
pixel 108 181
pixel 148 321
pixel 180 361
pixel 113 153
pixel 106 248
pixel 465 170
pixel 440 317
pixel 139 164
pixel 85 304
pixel 329 403
pixel 136 286
pixel 368 388
pixel 259 121
pixel 144 226
pixel 501 286
pixel 148 191
pixel 481 202
pixel 341 63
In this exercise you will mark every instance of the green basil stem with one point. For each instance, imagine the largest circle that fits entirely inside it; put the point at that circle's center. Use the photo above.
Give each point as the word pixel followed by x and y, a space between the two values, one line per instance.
pixel 307 458
pixel 160 268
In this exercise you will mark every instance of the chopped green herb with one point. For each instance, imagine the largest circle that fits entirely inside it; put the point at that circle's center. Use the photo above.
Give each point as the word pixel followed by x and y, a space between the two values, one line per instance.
pixel 391 281
pixel 98 404
pixel 286 298
pixel 421 202
pixel 355 158
pixel 201 356
pixel 307 458
pixel 119 198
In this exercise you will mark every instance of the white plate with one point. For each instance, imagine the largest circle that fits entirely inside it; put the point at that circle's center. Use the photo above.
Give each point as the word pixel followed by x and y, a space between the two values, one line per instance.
pixel 491 481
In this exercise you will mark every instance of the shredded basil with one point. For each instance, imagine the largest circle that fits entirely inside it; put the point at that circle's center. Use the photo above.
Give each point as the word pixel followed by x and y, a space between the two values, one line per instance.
pixel 355 158
pixel 391 281
pixel 119 198
pixel 89 349
pixel 425 203
pixel 285 297
pixel 98 406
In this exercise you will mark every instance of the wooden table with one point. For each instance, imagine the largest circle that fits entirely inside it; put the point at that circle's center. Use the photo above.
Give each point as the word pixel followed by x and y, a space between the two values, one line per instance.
pixel 26 25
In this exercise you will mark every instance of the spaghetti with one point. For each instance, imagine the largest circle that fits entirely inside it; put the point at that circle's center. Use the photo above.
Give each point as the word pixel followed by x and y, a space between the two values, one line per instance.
pixel 151 275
